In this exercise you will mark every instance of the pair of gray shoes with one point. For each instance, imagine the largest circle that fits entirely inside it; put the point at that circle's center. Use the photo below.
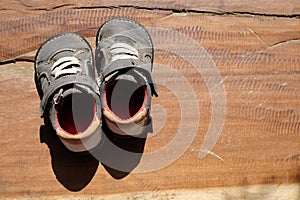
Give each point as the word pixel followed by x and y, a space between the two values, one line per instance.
pixel 77 103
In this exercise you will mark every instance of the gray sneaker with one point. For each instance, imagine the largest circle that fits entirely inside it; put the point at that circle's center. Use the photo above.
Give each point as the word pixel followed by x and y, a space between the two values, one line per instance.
pixel 70 99
pixel 124 61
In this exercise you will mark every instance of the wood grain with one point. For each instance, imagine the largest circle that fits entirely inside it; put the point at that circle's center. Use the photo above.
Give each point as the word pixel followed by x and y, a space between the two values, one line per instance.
pixel 24 34
pixel 258 58
pixel 267 192
pixel 264 7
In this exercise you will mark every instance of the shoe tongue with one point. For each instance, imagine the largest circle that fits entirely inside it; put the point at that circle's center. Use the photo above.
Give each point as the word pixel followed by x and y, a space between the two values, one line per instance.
pixel 126 77
pixel 71 91
pixel 133 76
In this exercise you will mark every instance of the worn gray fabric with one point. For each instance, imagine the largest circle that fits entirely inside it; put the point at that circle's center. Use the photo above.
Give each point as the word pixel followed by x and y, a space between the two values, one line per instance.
pixel 124 43
pixel 63 60
pixel 124 62
pixel 64 66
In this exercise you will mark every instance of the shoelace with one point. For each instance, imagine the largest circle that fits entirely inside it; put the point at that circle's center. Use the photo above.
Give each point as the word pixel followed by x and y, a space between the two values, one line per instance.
pixel 65 65
pixel 123 51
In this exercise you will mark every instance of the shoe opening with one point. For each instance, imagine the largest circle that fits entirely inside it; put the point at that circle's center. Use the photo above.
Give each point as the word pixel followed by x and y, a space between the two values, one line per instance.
pixel 125 98
pixel 75 113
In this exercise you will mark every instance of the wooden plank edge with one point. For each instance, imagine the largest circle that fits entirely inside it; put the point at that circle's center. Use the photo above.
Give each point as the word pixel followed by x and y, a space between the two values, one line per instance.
pixel 267 192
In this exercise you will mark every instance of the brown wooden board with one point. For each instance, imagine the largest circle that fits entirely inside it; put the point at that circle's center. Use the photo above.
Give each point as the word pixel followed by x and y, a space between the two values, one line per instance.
pixel 258 60
pixel 264 7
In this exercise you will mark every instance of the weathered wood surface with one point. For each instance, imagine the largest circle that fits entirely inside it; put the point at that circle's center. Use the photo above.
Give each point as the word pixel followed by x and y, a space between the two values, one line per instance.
pixel 257 56
pixel 20 20
pixel 264 7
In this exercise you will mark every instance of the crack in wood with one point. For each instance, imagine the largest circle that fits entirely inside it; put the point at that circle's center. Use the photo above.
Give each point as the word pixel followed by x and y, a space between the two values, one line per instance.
pixel 183 10
pixel 53 8
pixel 278 44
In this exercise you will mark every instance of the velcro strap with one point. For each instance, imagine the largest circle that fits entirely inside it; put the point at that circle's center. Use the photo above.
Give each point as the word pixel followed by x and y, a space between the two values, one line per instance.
pixel 124 64
pixel 63 81
pixel 131 64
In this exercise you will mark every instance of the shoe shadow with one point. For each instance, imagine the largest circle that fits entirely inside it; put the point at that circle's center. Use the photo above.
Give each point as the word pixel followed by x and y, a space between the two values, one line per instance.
pixel 74 171
pixel 120 155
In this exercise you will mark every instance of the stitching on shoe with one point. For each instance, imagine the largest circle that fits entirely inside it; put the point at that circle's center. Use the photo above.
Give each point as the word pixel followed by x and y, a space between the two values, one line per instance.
pixel 60 36
pixel 130 21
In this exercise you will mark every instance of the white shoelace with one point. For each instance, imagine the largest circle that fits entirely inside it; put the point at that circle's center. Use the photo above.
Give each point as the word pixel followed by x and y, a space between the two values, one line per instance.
pixel 65 65
pixel 123 51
